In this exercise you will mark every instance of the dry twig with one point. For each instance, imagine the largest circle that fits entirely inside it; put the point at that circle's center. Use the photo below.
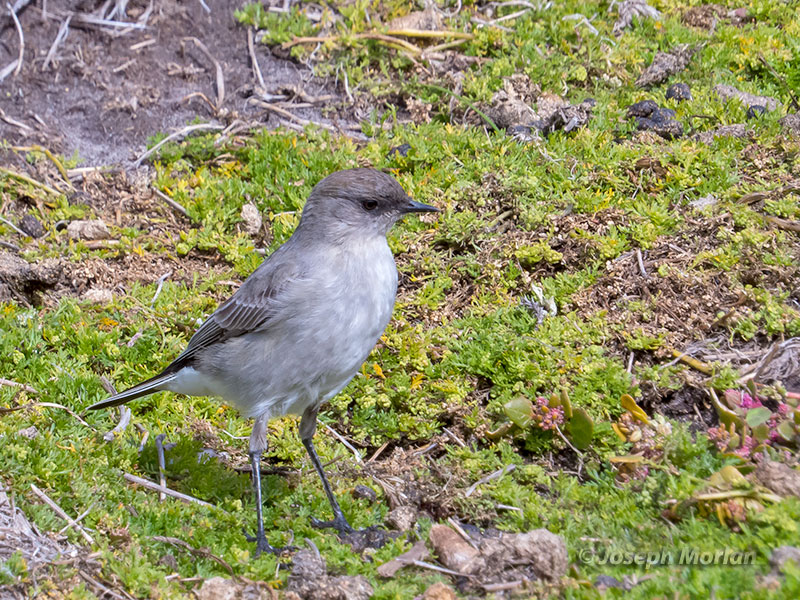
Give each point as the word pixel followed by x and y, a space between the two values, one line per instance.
pixel 14 227
pixel 177 135
pixel 490 477
pixel 60 512
pixel 21 36
pixel 256 68
pixel 179 543
pixel 217 67
pixel 170 202
pixel 285 113
pixel 346 444
pixel 28 180
pixel 63 31
pixel 22 386
pixel 124 420
pixel 158 488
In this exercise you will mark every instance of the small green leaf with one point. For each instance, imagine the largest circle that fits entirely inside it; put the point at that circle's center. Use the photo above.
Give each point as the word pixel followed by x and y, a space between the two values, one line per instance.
pixel 757 416
pixel 566 404
pixel 786 429
pixel 520 411
pixel 761 432
pixel 580 428
pixel 725 414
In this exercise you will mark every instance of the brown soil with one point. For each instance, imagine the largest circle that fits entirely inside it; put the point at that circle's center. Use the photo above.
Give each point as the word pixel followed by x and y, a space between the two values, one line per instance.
pixel 683 304
pixel 108 89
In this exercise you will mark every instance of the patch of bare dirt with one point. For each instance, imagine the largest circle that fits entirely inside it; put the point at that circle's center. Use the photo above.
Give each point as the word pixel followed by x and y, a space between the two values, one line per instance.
pixel 708 16
pixel 105 89
pixel 676 301
pixel 121 201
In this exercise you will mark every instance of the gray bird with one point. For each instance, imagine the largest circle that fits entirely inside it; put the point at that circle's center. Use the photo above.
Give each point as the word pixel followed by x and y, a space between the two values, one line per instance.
pixel 299 328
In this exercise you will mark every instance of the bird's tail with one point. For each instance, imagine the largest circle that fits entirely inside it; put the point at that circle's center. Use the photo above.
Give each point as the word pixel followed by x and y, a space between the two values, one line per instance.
pixel 154 384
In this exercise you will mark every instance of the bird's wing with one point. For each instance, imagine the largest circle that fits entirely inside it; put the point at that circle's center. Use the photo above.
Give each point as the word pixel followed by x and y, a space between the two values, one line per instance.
pixel 251 308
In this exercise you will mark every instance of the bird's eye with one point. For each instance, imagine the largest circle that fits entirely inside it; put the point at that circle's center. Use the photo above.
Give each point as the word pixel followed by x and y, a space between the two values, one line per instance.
pixel 369 204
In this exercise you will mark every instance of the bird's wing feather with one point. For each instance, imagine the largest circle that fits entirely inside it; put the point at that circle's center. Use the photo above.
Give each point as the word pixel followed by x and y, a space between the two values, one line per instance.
pixel 251 308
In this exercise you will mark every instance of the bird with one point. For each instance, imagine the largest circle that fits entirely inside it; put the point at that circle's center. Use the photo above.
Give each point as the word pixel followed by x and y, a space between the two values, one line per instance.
pixel 301 325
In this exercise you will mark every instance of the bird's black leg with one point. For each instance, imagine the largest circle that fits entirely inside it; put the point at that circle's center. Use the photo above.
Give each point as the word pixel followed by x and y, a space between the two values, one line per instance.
pixel 257 447
pixel 308 424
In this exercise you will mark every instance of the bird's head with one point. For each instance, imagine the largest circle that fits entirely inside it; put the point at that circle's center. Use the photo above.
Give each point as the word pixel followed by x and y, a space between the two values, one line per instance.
pixel 357 202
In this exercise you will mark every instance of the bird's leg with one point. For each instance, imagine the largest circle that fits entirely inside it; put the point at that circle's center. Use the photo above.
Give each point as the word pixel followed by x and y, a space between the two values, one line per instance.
pixel 308 424
pixel 258 445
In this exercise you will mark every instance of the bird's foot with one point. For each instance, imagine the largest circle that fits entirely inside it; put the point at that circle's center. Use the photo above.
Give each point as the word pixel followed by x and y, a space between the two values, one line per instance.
pixel 339 523
pixel 262 545
pixel 358 539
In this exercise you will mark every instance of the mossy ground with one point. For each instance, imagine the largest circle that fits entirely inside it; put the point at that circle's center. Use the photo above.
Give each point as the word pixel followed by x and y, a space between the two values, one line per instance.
pixel 559 214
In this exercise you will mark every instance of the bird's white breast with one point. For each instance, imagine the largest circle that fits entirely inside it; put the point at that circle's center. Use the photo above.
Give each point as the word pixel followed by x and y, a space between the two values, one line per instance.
pixel 317 343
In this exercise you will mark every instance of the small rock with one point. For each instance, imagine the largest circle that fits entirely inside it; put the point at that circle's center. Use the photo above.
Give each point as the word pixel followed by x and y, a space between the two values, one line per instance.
pixel 453 551
pixel 88 230
pixel 424 20
pixel 402 518
pixel 169 561
pixel 29 432
pixel 666 64
pixel 348 587
pixel 555 113
pixel 31 225
pixel 738 130
pixel 604 582
pixel 420 111
pixel 251 218
pixel 363 492
pixel 512 105
pixel 98 296
pixel 219 588
pixel 521 133
pixel 704 202
pixel 18 277
pixel 782 554
pixel 645 108
pixel 661 121
pixel 703 17
pixel 756 111
pixel 791 124
pixel 679 92
pixel 778 478
pixel 310 581
pixel 417 552
pixel 439 591
pixel 401 150
pixel 728 92
pixel 544 551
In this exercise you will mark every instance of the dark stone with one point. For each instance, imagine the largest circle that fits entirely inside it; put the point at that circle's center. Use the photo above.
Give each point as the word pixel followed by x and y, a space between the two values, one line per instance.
pixel 679 92
pixel 756 111
pixel 401 150
pixel 363 492
pixel 642 109
pixel 607 581
pixel 661 121
pixel 30 225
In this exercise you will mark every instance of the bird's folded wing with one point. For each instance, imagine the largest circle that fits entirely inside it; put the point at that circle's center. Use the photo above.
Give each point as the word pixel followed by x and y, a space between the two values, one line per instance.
pixel 251 308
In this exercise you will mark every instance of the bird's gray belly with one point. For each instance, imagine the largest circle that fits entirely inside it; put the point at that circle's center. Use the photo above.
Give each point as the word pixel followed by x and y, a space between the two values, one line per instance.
pixel 305 359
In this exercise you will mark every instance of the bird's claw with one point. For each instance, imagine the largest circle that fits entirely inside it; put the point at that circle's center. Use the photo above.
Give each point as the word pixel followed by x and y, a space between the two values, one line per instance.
pixel 339 523
pixel 262 545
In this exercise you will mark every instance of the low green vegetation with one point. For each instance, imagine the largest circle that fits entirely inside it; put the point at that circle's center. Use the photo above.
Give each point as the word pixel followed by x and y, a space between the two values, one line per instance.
pixel 524 296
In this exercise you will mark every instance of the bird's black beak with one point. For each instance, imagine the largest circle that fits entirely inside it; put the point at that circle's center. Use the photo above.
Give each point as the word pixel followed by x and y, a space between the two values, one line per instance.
pixel 414 207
